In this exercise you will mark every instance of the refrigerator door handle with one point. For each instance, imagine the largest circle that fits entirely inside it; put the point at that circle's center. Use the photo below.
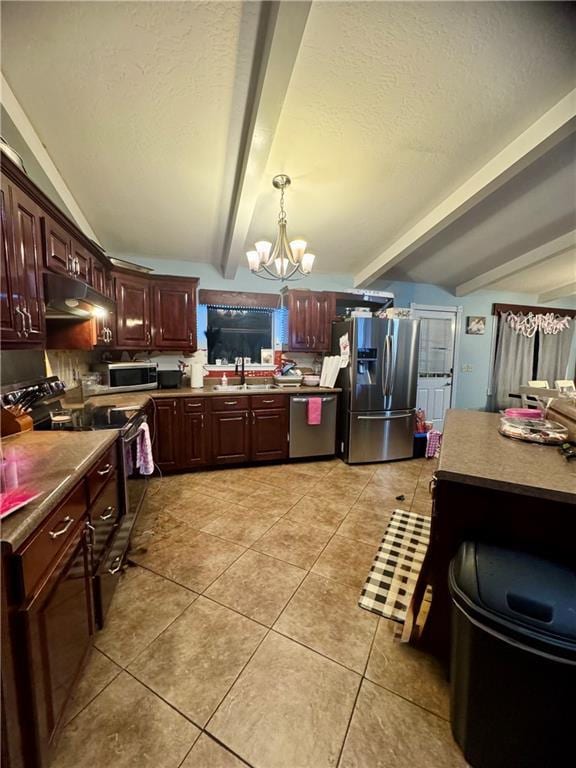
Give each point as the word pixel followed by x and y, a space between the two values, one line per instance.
pixel 384 418
pixel 386 362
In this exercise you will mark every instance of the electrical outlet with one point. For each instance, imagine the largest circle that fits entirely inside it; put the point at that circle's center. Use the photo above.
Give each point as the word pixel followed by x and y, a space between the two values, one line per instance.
pixel 466 368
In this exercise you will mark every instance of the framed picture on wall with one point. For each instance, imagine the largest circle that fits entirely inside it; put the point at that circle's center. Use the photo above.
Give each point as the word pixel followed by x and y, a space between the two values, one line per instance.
pixel 476 325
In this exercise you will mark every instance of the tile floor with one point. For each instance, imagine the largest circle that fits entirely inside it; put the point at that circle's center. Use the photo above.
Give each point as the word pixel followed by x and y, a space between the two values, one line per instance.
pixel 237 639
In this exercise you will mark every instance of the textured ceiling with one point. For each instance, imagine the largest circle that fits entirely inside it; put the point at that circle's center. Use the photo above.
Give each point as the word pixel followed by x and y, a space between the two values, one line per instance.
pixel 391 106
pixel 553 273
pixel 536 206
pixel 137 103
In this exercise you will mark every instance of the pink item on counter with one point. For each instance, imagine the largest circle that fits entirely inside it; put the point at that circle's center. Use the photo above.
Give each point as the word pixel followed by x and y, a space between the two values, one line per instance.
pixel 144 459
pixel 314 411
pixel 524 413
pixel 433 444
pixel 12 500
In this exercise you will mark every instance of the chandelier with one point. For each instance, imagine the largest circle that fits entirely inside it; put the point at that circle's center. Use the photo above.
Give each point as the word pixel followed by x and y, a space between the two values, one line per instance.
pixel 285 261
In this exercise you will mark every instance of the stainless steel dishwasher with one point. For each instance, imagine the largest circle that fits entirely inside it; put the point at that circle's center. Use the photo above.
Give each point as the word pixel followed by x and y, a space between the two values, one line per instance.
pixel 312 440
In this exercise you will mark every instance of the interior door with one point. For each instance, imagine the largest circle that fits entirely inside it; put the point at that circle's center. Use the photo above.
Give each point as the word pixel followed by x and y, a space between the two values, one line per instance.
pixel 435 363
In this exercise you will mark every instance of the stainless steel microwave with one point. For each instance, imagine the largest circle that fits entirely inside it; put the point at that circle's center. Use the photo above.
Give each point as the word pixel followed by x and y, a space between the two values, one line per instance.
pixel 127 377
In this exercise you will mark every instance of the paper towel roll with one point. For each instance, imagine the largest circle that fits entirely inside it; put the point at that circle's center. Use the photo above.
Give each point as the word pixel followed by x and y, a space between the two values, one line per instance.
pixel 196 375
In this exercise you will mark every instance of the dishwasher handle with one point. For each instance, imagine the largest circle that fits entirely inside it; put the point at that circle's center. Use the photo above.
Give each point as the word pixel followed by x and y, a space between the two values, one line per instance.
pixel 306 399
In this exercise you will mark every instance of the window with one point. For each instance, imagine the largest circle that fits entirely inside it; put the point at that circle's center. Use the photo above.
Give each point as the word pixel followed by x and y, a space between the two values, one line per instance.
pixel 238 332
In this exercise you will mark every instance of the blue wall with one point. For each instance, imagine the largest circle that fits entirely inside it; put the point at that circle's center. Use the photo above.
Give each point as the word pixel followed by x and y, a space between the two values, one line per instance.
pixel 474 351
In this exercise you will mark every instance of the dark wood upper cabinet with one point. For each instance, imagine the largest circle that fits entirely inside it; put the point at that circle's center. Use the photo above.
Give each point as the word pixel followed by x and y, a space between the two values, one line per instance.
pixel 323 313
pixel 11 321
pixel 269 434
pixel 81 262
pixel 174 307
pixel 133 312
pixel 167 446
pixel 230 436
pixel 309 321
pixel 23 305
pixel 57 247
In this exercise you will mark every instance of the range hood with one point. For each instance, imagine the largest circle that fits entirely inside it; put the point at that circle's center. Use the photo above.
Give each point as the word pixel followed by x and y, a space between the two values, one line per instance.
pixel 71 299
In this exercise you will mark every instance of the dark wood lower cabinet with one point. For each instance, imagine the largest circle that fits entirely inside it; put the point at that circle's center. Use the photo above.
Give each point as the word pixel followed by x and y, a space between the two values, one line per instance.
pixel 230 435
pixel 269 435
pixel 56 627
pixel 194 432
pixel 194 440
pixel 167 452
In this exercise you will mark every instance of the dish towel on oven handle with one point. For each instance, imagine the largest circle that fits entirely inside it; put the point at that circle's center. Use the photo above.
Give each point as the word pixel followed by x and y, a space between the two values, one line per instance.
pixel 314 411
pixel 144 458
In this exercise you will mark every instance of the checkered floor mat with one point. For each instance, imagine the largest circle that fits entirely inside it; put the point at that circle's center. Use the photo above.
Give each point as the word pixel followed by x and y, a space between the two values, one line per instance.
pixel 393 575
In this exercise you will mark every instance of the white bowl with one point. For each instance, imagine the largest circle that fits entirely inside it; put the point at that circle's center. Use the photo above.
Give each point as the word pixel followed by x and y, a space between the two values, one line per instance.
pixel 311 381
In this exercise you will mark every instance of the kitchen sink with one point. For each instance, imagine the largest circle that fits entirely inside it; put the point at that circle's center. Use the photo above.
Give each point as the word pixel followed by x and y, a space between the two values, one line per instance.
pixel 245 387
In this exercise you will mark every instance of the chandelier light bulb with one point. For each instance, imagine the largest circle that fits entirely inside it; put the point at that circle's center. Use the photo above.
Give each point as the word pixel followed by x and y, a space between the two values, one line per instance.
pixel 298 248
pixel 307 263
pixel 253 260
pixel 263 247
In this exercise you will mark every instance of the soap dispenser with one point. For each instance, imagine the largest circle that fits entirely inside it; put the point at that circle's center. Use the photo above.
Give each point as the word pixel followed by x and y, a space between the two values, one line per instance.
pixel 224 381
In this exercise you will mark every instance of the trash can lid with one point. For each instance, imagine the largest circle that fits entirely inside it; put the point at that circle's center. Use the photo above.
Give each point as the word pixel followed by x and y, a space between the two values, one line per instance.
pixel 535 596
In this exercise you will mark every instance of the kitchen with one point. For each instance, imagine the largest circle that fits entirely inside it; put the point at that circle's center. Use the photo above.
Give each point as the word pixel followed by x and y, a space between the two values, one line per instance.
pixel 209 466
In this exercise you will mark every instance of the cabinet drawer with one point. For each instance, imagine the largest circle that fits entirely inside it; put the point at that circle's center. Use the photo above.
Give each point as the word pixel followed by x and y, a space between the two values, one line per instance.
pixel 101 473
pixel 264 402
pixel 47 543
pixel 194 405
pixel 230 403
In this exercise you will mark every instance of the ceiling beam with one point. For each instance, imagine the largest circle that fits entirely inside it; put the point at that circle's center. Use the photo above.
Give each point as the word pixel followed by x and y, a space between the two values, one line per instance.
pixel 280 32
pixel 34 144
pixel 548 131
pixel 562 292
pixel 555 247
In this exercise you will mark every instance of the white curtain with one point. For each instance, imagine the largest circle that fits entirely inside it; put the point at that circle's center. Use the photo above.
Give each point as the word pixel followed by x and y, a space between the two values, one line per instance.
pixel 513 364
pixel 554 354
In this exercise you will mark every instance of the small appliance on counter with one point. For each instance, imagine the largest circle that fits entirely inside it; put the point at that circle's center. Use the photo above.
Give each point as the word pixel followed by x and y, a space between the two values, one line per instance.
pixel 128 377
pixel 171 379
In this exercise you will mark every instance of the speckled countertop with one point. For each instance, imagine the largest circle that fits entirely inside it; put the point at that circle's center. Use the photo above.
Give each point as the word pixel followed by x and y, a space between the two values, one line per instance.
pixel 252 390
pixel 141 398
pixel 49 463
pixel 475 453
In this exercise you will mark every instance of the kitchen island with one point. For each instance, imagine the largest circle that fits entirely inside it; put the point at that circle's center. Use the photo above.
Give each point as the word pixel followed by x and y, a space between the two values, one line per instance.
pixel 491 488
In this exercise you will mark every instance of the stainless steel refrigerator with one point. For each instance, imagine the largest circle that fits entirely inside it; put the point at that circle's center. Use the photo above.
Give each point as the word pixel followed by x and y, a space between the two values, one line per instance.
pixel 378 402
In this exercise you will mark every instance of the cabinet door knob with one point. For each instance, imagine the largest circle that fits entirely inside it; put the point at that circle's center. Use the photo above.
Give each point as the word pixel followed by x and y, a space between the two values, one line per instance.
pixel 67 522
pixel 29 316
pixel 116 565
pixel 107 514
pixel 22 321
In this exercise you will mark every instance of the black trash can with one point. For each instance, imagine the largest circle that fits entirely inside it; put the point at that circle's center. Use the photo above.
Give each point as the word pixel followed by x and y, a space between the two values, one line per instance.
pixel 513 659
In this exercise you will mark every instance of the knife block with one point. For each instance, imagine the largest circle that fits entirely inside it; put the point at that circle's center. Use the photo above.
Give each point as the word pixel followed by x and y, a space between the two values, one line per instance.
pixel 11 424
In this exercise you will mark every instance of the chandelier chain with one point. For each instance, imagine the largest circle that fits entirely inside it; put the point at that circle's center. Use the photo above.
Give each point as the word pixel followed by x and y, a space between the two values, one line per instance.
pixel 282 214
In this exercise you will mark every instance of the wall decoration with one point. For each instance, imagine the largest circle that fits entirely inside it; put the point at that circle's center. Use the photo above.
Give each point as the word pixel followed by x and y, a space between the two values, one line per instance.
pixel 476 325
pixel 267 356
